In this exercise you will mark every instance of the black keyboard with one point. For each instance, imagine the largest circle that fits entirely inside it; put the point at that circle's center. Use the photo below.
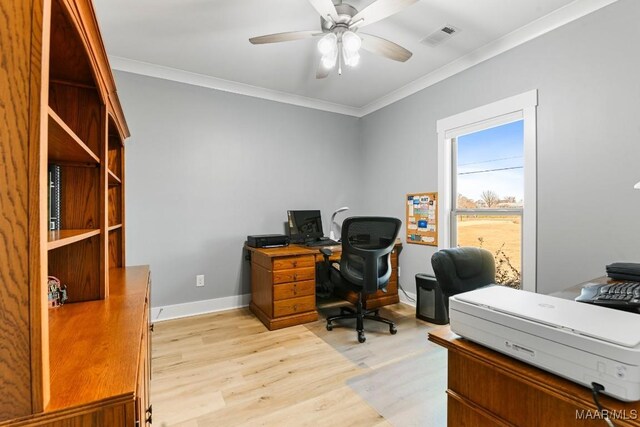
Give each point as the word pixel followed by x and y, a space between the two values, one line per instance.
pixel 323 242
pixel 624 295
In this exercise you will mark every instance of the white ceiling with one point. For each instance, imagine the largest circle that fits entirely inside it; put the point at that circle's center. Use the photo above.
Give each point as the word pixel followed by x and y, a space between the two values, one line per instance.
pixel 210 37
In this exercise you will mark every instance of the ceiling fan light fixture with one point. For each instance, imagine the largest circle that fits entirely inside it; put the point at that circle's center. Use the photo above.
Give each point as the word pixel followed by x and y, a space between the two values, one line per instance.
pixel 329 60
pixel 328 44
pixel 351 58
pixel 351 42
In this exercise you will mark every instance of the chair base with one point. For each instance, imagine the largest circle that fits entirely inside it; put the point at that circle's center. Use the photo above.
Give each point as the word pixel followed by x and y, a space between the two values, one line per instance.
pixel 360 315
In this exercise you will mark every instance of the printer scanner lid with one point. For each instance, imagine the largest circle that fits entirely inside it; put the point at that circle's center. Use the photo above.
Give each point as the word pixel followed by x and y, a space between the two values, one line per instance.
pixel 605 324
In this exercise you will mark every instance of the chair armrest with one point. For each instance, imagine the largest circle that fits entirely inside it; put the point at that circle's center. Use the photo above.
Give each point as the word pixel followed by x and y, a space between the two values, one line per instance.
pixel 326 252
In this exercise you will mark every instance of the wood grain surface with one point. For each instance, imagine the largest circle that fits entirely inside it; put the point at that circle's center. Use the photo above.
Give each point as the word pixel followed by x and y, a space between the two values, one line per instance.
pixel 77 266
pixel 70 64
pixel 521 394
pixel 80 109
pixel 15 81
pixel 79 201
pixel 115 205
pixel 115 147
pixel 229 371
pixel 65 146
pixel 38 197
pixel 96 344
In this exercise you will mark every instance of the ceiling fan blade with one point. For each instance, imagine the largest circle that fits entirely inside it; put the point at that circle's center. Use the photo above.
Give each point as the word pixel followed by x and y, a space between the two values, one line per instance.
pixel 284 37
pixel 380 10
pixel 324 8
pixel 322 72
pixel 384 47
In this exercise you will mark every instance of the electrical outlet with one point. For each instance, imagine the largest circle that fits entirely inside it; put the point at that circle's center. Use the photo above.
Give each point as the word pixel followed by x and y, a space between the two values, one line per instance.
pixel 200 280
pixel 398 272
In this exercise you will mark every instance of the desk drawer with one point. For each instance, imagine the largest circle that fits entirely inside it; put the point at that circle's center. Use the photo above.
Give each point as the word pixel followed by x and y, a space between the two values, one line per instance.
pixel 287 263
pixel 294 305
pixel 295 289
pixel 299 274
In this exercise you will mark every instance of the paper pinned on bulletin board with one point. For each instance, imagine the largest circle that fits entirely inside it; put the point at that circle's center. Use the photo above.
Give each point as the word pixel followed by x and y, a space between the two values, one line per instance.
pixel 422 218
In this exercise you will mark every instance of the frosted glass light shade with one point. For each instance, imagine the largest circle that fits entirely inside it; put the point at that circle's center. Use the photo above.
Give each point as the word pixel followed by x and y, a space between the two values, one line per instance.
pixel 328 44
pixel 637 186
pixel 329 60
pixel 351 42
pixel 350 58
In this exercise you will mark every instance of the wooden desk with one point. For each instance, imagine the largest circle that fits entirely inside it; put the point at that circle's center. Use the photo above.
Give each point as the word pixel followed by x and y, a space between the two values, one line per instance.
pixel 283 284
pixel 487 388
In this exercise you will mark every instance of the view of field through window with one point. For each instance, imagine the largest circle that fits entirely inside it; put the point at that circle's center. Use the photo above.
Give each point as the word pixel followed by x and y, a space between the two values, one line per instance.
pixel 490 177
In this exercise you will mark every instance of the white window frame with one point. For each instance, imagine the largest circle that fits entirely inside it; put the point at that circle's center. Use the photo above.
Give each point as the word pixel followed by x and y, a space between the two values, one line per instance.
pixel 507 110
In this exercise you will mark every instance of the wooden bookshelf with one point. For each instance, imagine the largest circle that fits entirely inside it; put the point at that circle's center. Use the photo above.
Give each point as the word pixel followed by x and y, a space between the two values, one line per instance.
pixel 60 238
pixel 65 146
pixel 113 179
pixel 85 363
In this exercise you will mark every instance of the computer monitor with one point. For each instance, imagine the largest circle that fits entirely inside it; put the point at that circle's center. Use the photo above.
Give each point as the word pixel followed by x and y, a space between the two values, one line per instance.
pixel 305 226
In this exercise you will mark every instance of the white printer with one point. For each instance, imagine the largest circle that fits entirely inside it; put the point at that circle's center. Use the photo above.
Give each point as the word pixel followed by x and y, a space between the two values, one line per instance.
pixel 581 342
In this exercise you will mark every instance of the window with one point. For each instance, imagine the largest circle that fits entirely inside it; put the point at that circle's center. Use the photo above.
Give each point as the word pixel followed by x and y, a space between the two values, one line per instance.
pixel 487 179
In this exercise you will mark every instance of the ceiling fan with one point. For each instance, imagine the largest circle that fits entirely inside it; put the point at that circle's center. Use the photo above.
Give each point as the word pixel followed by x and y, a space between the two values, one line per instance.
pixel 341 39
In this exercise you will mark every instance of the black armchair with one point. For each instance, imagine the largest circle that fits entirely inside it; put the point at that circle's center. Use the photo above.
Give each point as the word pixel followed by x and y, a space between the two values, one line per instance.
pixel 365 265
pixel 460 270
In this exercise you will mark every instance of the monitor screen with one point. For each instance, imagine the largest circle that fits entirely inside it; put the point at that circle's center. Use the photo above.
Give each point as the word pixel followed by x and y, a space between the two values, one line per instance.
pixel 304 225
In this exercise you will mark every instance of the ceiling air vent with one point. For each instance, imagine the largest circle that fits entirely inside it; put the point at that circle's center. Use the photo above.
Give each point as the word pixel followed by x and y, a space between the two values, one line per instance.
pixel 440 35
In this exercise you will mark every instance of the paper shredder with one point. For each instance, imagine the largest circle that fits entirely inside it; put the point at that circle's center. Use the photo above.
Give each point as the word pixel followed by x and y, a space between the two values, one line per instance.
pixel 430 305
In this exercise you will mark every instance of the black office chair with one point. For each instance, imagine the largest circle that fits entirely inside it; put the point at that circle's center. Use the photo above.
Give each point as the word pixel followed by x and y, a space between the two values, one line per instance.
pixel 365 265
pixel 460 270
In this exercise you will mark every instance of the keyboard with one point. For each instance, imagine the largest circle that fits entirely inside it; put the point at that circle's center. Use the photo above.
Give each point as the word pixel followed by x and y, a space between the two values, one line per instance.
pixel 623 295
pixel 323 242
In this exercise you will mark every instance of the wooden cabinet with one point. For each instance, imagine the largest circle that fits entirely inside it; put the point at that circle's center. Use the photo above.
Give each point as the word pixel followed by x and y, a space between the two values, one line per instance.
pixel 486 388
pixel 283 285
pixel 82 363
pixel 99 358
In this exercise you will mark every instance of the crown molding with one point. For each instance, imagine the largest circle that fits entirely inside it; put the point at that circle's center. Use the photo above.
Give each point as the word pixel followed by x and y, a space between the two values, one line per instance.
pixel 566 14
pixel 559 17
pixel 195 79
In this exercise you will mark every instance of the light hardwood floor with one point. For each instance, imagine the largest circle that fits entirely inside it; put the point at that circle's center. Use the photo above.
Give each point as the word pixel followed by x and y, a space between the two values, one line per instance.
pixel 227 369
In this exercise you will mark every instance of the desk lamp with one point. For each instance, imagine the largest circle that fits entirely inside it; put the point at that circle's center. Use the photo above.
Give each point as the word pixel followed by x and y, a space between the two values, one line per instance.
pixel 332 235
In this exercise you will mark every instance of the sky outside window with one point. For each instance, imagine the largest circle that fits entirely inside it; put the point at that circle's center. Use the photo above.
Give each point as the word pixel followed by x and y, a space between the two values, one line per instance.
pixel 492 159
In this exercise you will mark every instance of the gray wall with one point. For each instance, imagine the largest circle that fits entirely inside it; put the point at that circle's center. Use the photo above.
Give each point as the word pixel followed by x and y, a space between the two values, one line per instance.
pixel 588 126
pixel 206 168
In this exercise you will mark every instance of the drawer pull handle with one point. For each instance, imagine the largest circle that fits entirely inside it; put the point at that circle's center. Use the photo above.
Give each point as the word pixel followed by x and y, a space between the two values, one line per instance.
pixel 295 307
pixel 295 289
pixel 295 276
pixel 295 263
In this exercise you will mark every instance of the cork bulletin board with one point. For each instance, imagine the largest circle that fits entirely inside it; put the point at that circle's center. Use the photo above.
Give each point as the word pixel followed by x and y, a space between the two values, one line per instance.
pixel 422 219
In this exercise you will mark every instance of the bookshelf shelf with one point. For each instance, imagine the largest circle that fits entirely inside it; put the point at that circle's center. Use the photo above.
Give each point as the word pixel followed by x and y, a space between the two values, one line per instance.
pixel 60 238
pixel 113 179
pixel 65 146
pixel 115 227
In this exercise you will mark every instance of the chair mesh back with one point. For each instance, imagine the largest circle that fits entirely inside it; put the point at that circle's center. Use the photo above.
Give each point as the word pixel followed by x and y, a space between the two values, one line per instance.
pixel 367 243
pixel 371 234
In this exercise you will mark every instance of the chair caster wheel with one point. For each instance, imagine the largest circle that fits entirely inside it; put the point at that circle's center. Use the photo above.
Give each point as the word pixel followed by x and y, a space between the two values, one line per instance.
pixel 393 330
pixel 329 327
pixel 361 337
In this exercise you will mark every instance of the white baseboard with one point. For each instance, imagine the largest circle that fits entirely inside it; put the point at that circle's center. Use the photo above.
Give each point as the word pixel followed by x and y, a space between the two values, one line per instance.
pixel 405 300
pixel 176 311
pixel 195 308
